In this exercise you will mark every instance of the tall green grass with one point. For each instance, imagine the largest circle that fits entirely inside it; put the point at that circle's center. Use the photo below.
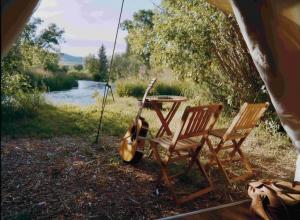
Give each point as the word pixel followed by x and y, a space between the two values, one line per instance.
pixel 130 88
pixel 80 75
pixel 127 88
pixel 60 82
pixel 52 82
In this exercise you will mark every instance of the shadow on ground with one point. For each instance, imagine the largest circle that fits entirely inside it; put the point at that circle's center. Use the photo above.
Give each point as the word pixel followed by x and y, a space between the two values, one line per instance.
pixel 66 177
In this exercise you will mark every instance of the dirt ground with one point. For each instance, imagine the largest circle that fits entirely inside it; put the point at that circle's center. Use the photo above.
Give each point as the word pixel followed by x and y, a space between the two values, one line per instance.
pixel 67 178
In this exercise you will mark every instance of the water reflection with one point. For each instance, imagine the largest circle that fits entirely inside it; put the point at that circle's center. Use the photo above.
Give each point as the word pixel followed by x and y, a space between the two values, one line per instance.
pixel 81 95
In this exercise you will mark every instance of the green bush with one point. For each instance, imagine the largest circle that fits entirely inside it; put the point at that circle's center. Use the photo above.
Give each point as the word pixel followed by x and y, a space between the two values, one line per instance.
pixel 60 82
pixel 133 88
pixel 18 98
pixel 52 82
pixel 79 75
pixel 138 88
pixel 21 105
pixel 168 89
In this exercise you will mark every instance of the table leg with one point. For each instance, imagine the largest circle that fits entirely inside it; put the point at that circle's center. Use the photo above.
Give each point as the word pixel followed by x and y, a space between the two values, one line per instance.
pixel 165 121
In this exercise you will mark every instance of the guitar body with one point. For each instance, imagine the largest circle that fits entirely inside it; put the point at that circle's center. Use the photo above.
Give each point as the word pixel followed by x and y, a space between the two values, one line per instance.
pixel 132 144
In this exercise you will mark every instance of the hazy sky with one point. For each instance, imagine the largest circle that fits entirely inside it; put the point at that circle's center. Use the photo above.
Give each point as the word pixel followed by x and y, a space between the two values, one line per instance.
pixel 89 23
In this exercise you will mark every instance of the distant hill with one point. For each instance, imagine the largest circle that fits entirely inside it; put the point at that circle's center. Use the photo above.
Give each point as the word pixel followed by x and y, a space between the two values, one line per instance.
pixel 66 59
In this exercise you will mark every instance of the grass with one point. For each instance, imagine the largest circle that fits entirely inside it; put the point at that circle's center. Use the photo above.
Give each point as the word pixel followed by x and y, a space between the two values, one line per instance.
pixel 51 121
pixel 134 88
pixel 56 81
pixel 64 120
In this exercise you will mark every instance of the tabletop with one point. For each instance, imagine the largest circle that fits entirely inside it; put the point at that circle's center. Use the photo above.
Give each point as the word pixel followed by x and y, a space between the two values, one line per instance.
pixel 166 98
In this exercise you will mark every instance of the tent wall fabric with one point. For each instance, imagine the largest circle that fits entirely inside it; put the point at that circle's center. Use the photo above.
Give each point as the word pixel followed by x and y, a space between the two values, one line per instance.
pixel 14 16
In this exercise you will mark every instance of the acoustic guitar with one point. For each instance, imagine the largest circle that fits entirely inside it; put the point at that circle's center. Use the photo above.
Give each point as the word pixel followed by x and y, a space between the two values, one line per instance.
pixel 132 144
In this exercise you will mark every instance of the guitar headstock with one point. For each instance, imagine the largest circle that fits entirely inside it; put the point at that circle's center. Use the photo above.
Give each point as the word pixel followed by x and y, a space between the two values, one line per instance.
pixel 150 85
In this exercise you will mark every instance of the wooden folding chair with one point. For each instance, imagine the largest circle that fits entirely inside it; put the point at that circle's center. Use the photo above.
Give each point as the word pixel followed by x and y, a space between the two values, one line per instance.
pixel 190 136
pixel 236 133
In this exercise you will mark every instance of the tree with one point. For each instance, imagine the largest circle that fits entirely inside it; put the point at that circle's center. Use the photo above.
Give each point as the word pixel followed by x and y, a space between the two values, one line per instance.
pixel 124 66
pixel 140 35
pixel 41 48
pixel 199 42
pixel 78 67
pixel 91 64
pixel 31 49
pixel 103 69
pixel 34 49
pixel 65 68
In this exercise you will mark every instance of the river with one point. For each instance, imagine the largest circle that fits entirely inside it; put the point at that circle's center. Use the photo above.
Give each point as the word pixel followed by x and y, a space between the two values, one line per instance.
pixel 81 95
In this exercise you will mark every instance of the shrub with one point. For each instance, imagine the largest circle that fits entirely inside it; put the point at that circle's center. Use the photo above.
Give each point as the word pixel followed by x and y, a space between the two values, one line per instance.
pixel 21 105
pixel 168 89
pixel 80 75
pixel 78 67
pixel 18 98
pixel 138 88
pixel 52 82
pixel 60 82
pixel 133 88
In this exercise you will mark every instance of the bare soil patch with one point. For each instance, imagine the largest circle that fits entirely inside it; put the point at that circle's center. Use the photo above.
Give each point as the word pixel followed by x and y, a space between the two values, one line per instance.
pixel 66 178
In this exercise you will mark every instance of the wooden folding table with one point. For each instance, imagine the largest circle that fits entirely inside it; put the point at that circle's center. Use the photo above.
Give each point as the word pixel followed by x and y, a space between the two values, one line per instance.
pixel 165 120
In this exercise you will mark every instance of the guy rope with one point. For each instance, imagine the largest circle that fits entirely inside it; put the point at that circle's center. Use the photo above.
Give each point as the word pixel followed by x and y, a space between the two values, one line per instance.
pixel 107 87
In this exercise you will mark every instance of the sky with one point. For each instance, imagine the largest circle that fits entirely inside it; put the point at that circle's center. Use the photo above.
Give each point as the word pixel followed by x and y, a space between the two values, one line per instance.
pixel 89 23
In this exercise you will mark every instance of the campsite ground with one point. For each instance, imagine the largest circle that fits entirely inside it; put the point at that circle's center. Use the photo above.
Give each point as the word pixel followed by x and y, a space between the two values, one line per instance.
pixel 51 169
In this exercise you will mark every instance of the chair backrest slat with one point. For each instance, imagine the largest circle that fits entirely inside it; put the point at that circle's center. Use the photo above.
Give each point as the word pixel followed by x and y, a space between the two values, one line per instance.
pixel 197 121
pixel 247 118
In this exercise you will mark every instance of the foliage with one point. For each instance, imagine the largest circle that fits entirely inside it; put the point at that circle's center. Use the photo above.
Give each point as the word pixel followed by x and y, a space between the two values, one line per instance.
pixel 131 88
pixel 91 64
pixel 65 68
pixel 40 48
pixel 53 82
pixel 124 66
pixel 78 67
pixel 198 42
pixel 80 75
pixel 140 35
pixel 60 82
pixel 103 68
pixel 168 89
pixel 19 98
pixel 136 88
pixel 98 68
pixel 16 101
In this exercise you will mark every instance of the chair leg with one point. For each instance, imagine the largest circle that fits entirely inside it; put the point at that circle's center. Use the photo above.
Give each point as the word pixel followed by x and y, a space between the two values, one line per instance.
pixel 203 172
pixel 244 161
pixel 164 171
pixel 195 159
pixel 215 158
pixel 214 151
pixel 235 150
pixel 194 154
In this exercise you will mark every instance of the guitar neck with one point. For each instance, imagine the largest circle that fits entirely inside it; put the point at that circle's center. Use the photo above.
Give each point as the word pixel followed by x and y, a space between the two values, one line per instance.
pixel 145 96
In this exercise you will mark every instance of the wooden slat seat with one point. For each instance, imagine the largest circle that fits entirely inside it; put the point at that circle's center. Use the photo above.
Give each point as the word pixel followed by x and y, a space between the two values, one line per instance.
pixel 233 135
pixel 186 143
